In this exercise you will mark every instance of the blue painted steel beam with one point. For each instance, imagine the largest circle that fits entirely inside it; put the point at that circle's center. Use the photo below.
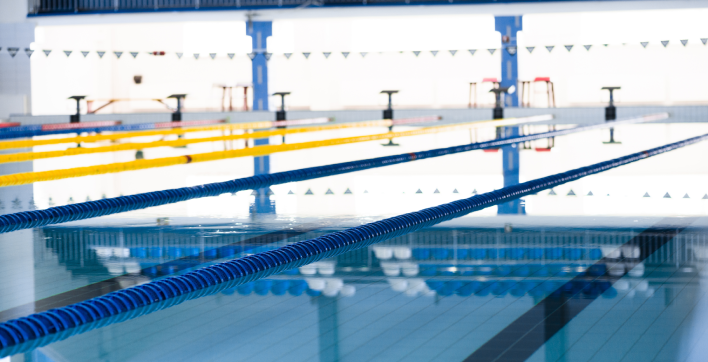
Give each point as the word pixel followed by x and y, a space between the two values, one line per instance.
pixel 259 31
pixel 510 170
pixel 49 8
pixel 508 26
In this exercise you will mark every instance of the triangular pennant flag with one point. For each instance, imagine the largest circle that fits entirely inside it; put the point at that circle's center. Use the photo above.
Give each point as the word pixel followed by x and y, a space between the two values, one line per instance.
pixel 326 54
pixel 704 41
pixel 268 55
pixel 569 47
pixel 605 45
pixel 491 51
pixel 348 192
pixel 254 193
pixel 366 191
pixel 230 55
pixel 453 52
pixel 434 52
pixel 212 55
pixel 552 193
pixel 511 50
pixel 134 54
pixel 196 55
pixel 472 51
pixel 179 55
pixel 587 47
pixel 570 193
pixel 287 55
pixel 67 52
pixel 309 192
pixel 100 53
pixel 252 55
pixel 646 194
pixel 363 54
pixel 590 193
pixel 329 192
pixel 307 55
pixel 644 44
pixel 46 52
pixel 436 191
pixel 550 48
pixel 118 54
pixel 705 197
pixel 84 53
pixel 684 42
pixel 29 52
pixel 13 51
pixel 345 54
pixel 455 191
pixel 667 196
pixel 664 43
pixel 291 192
pixel 416 52
pixel 474 192
pixel 530 49
pixel 686 196
pixel 270 192
pixel 419 192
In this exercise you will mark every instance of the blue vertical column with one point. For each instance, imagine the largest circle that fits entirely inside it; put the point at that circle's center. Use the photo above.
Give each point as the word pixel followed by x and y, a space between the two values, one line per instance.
pixel 508 26
pixel 259 31
pixel 510 170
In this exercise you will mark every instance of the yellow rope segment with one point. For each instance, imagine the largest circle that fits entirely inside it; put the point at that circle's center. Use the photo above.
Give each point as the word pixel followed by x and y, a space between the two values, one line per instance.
pixel 28 156
pixel 31 177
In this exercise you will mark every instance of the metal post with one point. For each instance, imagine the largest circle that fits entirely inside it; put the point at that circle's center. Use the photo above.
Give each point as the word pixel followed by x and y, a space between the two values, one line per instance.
pixel 611 113
pixel 177 114
pixel 280 115
pixel 76 118
pixel 388 113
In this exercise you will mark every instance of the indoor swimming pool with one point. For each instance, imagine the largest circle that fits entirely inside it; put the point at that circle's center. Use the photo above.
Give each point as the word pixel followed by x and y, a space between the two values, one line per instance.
pixel 609 267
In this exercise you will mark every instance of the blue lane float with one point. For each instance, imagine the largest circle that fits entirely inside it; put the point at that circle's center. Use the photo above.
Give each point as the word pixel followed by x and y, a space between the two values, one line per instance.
pixel 91 209
pixel 163 293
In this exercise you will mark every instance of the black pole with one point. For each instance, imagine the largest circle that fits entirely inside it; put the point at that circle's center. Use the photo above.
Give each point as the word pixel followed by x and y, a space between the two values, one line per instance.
pixel 177 114
pixel 388 113
pixel 76 118
pixel 280 115
pixel 611 112
pixel 498 112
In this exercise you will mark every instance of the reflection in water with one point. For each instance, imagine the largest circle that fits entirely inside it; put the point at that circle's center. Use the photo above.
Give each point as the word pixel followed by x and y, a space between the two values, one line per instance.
pixel 555 270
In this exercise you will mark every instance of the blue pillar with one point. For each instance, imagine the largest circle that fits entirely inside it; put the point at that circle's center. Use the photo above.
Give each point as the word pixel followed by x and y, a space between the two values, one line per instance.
pixel 259 31
pixel 508 26
pixel 510 170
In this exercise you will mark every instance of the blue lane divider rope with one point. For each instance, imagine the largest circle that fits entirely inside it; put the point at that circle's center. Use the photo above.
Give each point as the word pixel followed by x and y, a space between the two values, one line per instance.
pixel 215 278
pixel 91 209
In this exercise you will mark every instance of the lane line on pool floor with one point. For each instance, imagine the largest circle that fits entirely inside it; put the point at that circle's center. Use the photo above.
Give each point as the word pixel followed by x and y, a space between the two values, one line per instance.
pixel 525 335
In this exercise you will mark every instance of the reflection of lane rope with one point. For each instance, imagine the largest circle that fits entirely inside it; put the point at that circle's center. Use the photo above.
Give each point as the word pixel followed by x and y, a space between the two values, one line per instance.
pixel 28 156
pixel 30 177
pixel 91 209
pixel 161 294
pixel 139 130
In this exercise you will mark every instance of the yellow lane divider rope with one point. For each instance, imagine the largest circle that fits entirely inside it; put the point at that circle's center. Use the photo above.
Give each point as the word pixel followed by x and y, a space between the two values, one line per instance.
pixel 31 177
pixel 28 156
pixel 4 145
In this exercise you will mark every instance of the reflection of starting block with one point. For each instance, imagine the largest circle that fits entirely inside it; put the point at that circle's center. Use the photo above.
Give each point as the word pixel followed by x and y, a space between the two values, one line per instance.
pixel 388 114
pixel 611 115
